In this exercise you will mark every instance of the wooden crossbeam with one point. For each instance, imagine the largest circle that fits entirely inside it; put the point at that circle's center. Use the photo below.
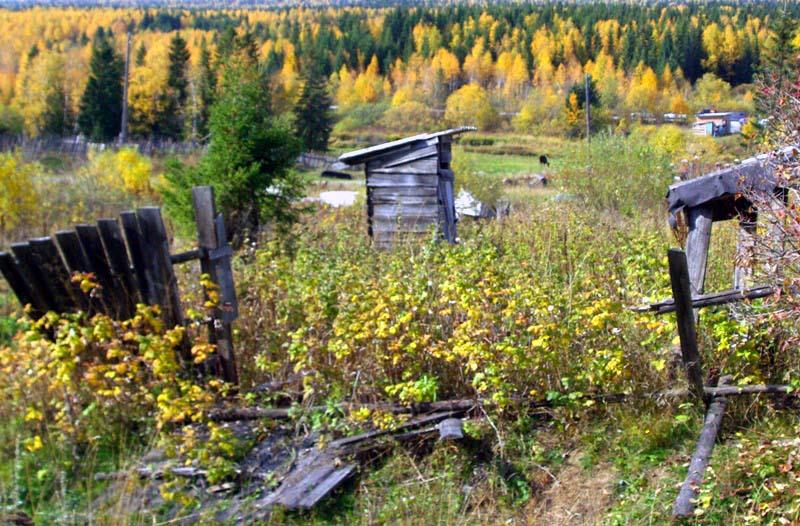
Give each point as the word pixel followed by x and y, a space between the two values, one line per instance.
pixel 710 300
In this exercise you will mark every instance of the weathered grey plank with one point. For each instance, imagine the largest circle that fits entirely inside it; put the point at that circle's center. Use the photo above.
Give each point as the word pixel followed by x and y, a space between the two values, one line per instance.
pixel 28 264
pixel 404 225
pixel 113 299
pixel 401 180
pixel 133 238
pixel 158 265
pixel 57 275
pixel 403 192
pixel 76 261
pixel 216 262
pixel 699 220
pixel 411 156
pixel 111 236
pixel 331 482
pixel 406 210
pixel 684 503
pixel 20 286
pixel 422 167
pixel 394 199
pixel 291 497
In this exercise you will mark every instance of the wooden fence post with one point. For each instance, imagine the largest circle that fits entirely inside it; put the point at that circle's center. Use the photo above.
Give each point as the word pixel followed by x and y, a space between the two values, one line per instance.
pixel 682 294
pixel 699 220
pixel 215 260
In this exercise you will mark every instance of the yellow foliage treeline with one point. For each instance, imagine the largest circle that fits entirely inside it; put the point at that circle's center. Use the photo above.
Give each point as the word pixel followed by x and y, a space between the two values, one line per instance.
pixel 528 65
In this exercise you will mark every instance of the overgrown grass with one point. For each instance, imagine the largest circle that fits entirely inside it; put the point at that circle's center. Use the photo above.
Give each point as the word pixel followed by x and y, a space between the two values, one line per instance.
pixel 530 307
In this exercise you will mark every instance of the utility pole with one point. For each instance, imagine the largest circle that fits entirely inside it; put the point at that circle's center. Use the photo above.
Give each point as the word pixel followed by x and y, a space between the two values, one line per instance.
pixel 586 107
pixel 123 129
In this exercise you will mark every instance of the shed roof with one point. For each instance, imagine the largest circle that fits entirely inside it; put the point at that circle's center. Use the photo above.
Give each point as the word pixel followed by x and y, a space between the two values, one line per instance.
pixel 379 150
pixel 752 175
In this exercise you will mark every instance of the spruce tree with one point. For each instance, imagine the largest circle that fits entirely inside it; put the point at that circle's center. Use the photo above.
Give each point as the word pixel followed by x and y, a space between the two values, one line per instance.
pixel 170 121
pixel 313 121
pixel 206 87
pixel 248 161
pixel 101 103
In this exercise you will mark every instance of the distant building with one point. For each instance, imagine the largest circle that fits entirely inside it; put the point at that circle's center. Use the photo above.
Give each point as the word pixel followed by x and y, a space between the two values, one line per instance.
pixel 718 123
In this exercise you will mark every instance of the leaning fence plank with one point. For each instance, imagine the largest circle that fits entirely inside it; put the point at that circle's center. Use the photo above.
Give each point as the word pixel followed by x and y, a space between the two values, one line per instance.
pixel 76 261
pixel 58 277
pixel 89 237
pixel 19 284
pixel 29 266
pixel 158 265
pixel 111 235
pixel 215 261
pixel 133 238
pixel 681 291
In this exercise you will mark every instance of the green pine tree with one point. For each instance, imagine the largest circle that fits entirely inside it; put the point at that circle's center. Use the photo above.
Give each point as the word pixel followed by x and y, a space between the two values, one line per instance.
pixel 206 86
pixel 101 103
pixel 313 119
pixel 170 122
pixel 249 159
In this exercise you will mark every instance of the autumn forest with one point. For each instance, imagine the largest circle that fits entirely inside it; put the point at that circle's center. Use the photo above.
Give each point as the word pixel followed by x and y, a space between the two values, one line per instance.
pixel 517 60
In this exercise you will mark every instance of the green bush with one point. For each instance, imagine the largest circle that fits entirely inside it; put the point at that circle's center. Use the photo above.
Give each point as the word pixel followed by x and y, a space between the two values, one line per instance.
pixel 612 172
pixel 360 116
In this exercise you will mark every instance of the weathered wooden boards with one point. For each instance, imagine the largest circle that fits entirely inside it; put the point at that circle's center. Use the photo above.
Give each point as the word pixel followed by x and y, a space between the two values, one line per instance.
pixel 409 187
pixel 129 260
pixel 681 291
pixel 41 270
pixel 319 471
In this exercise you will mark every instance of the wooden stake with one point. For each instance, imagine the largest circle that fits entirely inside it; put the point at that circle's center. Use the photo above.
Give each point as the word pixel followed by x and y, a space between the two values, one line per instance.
pixel 681 292
pixel 215 261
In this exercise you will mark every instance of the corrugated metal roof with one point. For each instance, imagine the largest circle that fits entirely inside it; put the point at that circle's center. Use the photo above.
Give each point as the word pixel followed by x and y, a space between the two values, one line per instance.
pixel 360 156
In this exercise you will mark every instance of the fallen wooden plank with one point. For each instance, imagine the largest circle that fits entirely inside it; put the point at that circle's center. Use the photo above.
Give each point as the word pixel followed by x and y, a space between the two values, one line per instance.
pixel 685 502
pixel 748 389
pixel 331 482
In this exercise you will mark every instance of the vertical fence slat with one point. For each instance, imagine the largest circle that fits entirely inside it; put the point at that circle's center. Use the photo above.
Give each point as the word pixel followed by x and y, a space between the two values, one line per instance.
pixel 89 238
pixel 682 294
pixel 111 236
pixel 75 258
pixel 133 238
pixel 216 262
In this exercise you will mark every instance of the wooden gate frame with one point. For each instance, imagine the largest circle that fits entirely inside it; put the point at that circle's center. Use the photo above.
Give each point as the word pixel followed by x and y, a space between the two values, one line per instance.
pixel 131 261
pixel 719 196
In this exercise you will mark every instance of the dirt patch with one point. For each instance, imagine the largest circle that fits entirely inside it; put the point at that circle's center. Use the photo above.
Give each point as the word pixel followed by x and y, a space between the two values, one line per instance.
pixel 577 496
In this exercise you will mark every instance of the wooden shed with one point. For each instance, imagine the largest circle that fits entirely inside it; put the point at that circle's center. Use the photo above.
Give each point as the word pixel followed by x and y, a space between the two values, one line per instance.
pixel 409 186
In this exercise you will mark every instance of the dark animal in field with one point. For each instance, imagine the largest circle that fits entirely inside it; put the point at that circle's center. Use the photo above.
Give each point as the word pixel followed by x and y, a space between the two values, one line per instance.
pixel 543 160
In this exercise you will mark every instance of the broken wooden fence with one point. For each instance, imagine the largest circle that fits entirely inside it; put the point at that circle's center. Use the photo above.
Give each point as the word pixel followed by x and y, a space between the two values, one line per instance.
pixel 129 259
pixel 722 195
